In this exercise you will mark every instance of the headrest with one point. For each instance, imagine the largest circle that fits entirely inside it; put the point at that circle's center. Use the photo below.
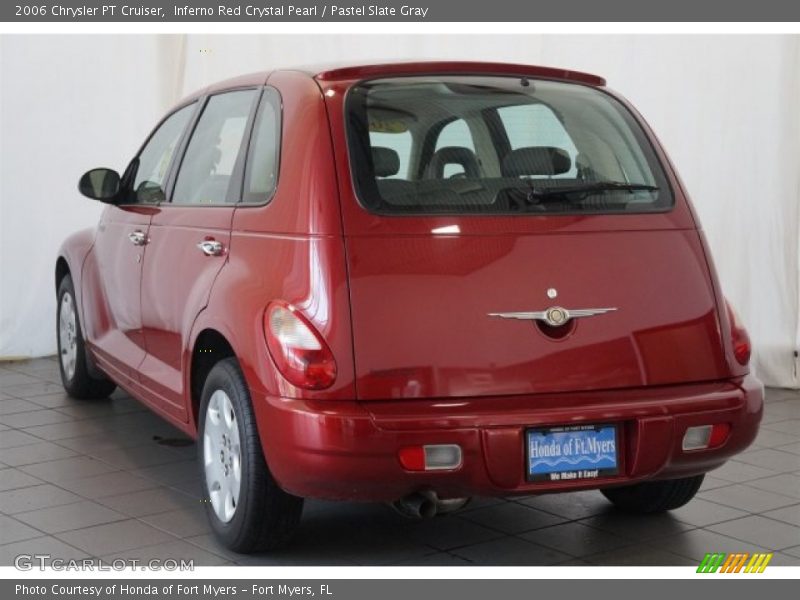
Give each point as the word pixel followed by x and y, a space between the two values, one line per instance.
pixel 385 161
pixel 536 160
pixel 453 155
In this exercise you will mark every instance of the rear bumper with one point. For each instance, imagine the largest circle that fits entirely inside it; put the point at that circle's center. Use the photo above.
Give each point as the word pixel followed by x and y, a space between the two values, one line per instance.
pixel 348 450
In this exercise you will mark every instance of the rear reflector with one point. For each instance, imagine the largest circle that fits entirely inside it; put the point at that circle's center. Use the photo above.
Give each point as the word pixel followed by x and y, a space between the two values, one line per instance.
pixel 705 436
pixel 434 457
pixel 719 435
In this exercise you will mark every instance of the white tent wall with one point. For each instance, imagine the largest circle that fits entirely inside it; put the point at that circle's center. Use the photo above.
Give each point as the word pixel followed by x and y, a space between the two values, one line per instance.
pixel 725 108
pixel 67 103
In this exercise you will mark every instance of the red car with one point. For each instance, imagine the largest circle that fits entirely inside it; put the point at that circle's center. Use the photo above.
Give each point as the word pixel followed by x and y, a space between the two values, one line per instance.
pixel 410 283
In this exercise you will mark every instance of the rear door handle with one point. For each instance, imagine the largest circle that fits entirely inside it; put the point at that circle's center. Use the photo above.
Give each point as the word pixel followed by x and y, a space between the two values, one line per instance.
pixel 211 247
pixel 138 238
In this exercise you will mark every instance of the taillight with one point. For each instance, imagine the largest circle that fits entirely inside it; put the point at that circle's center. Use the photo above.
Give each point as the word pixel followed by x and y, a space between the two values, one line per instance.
pixel 297 349
pixel 739 336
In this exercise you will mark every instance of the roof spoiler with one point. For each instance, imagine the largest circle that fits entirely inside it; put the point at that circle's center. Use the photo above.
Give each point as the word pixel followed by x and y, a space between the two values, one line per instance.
pixel 456 68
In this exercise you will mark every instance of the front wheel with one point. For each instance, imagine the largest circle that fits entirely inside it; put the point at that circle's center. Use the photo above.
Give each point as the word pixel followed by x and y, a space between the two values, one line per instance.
pixel 247 510
pixel 654 496
pixel 71 349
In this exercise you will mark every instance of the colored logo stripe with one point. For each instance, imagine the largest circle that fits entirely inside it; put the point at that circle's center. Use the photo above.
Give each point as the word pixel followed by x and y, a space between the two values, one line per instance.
pixel 758 563
pixel 734 563
pixel 711 562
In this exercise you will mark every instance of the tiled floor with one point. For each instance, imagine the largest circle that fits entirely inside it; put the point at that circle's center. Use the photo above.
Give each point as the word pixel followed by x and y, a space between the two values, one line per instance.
pixel 108 479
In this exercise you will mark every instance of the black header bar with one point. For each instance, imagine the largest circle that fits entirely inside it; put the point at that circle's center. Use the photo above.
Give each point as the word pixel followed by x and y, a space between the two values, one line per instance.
pixel 602 11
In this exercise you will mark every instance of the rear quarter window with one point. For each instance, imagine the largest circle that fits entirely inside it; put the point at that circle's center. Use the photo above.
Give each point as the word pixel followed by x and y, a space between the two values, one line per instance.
pixel 263 160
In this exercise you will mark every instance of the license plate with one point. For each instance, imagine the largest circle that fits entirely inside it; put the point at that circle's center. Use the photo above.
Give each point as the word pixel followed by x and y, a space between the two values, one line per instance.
pixel 572 452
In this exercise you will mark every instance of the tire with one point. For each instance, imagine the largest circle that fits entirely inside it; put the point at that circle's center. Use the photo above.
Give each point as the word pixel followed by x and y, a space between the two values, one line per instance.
pixel 253 514
pixel 75 376
pixel 654 496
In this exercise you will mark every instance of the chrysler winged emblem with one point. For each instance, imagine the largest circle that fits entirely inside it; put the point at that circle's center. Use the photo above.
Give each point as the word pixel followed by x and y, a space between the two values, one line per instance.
pixel 555 316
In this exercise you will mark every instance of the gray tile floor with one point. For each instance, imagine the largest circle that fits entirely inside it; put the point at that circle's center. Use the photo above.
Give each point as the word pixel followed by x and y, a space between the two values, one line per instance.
pixel 108 479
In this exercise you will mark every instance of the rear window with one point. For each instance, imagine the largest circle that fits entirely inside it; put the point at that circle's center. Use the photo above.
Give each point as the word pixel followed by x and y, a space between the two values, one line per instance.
pixel 498 145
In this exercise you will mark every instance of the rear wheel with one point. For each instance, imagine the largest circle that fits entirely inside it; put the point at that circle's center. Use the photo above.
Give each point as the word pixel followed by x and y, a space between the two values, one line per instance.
pixel 71 350
pixel 247 510
pixel 654 496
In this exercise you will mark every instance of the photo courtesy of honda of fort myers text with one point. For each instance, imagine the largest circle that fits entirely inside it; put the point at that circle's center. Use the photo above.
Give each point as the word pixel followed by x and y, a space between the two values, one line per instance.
pixel 211 589
pixel 388 300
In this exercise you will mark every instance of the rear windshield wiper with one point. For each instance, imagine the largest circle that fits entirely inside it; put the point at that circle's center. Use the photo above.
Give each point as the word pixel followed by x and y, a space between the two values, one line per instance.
pixel 590 188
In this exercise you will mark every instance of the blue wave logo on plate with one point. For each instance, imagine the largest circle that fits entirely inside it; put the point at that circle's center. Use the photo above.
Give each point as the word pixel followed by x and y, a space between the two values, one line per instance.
pixel 602 458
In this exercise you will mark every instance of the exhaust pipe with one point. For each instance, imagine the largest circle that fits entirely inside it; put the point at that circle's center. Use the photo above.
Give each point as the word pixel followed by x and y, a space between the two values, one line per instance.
pixel 420 505
pixel 427 504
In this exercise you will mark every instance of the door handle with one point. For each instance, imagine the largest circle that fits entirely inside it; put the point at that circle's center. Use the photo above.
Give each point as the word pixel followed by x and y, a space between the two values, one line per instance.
pixel 211 247
pixel 138 238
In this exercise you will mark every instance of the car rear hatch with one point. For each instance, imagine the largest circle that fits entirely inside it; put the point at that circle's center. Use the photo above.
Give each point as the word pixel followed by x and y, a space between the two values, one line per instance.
pixel 421 310
pixel 451 277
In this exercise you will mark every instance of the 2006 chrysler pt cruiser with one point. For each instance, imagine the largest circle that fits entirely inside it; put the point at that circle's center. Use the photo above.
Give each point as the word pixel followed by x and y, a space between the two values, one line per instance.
pixel 410 283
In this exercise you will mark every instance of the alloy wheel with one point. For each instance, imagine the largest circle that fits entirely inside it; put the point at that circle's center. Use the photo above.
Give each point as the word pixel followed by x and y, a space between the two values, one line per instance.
pixel 222 456
pixel 68 335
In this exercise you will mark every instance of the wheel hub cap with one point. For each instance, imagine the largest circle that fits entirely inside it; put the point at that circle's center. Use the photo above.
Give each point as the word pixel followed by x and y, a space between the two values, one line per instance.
pixel 68 335
pixel 222 456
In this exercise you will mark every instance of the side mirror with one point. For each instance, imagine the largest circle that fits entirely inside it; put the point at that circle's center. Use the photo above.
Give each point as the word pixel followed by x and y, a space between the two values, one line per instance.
pixel 100 184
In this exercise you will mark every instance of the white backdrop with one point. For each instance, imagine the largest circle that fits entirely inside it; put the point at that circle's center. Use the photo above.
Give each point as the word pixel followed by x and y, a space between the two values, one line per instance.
pixel 726 108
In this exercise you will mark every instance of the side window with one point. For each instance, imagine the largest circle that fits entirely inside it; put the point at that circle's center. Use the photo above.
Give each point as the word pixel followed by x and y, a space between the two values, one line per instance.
pixel 261 172
pixel 455 134
pixel 399 142
pixel 205 172
pixel 537 125
pixel 155 158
